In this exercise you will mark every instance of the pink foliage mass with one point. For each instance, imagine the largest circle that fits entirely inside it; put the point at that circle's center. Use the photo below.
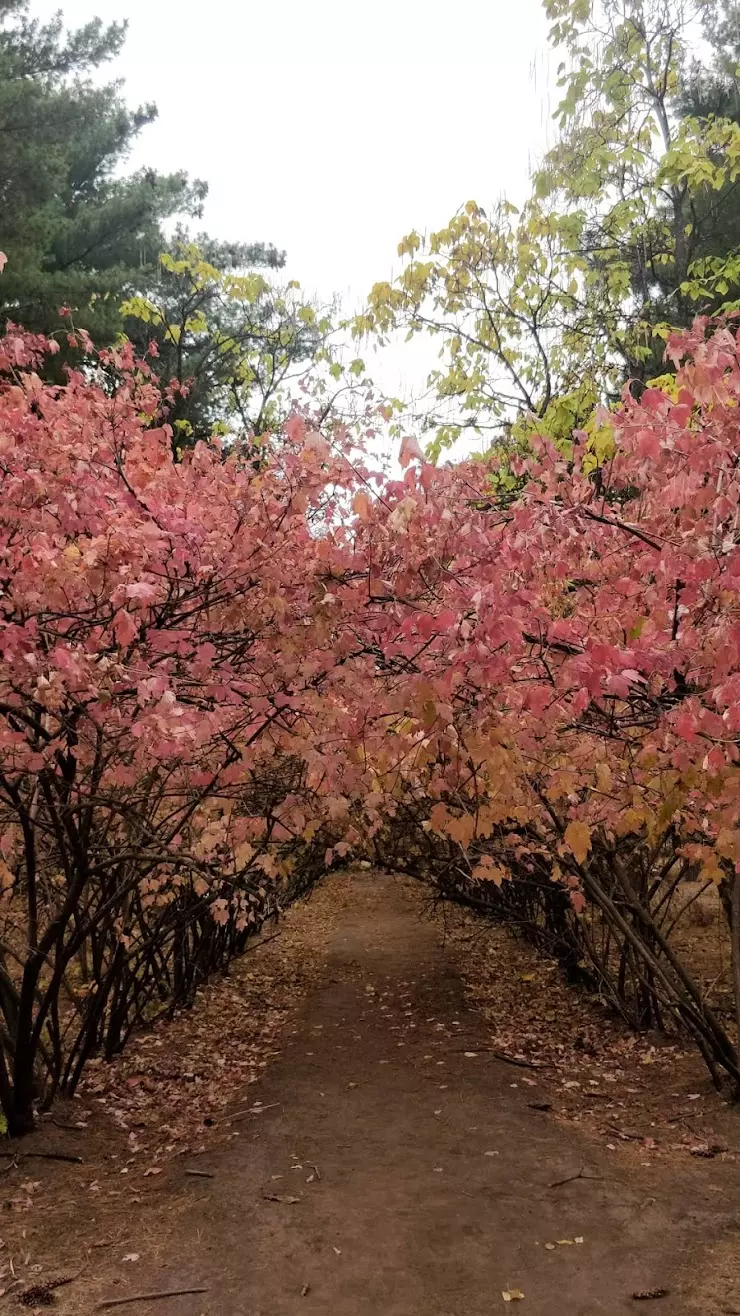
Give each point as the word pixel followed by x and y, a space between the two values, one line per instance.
pixel 539 670
pixel 522 689
pixel 163 625
pixel 568 661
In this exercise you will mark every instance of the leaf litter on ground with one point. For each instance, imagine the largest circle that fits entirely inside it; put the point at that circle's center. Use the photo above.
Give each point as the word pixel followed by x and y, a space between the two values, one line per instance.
pixel 649 1091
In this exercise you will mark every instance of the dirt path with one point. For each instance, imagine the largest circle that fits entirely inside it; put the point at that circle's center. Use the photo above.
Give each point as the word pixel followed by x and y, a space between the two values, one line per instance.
pixel 393 1171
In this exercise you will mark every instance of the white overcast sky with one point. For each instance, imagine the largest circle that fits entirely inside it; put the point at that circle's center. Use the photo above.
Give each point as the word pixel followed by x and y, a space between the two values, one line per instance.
pixel 333 127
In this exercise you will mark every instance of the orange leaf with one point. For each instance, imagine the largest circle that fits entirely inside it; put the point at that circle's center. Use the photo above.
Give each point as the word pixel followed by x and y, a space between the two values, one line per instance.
pixel 578 838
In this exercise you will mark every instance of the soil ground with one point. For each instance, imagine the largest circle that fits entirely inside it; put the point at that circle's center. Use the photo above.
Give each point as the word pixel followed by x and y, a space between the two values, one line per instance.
pixel 386 1159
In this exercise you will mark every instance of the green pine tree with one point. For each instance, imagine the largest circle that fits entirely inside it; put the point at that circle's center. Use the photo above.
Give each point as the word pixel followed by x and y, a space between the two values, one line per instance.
pixel 76 233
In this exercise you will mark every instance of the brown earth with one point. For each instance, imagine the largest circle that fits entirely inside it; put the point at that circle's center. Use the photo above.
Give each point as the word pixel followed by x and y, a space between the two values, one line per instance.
pixel 387 1160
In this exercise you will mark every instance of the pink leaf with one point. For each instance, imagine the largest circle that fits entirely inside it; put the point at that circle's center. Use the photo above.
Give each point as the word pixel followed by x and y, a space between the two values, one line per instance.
pixel 125 628
pixel 409 450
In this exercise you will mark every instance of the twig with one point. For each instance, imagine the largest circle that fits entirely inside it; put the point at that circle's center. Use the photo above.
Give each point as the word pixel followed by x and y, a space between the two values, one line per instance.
pixel 254 1110
pixel 507 1059
pixel 44 1156
pixel 147 1297
pixel 570 1178
pixel 263 942
pixel 628 1134
pixel 201 1174
pixel 315 1169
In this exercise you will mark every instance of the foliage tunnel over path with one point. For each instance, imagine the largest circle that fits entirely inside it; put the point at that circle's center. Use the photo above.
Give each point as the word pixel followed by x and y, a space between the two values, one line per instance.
pixel 217 676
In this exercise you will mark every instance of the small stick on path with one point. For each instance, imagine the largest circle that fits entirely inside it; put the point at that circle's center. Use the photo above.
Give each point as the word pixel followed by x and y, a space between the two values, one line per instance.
pixel 629 1135
pixel 502 1055
pixel 571 1178
pixel 201 1174
pixel 44 1156
pixel 253 1110
pixel 146 1297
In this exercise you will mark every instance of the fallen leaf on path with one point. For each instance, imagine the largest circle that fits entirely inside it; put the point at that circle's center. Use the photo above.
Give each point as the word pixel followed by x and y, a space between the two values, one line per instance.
pixel 131 1256
pixel 512 1295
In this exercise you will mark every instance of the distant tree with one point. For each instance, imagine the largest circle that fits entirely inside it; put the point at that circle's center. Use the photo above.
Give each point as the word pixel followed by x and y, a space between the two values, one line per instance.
pixel 233 338
pixel 79 235
pixel 712 86
pixel 75 232
pixel 710 90
pixel 632 229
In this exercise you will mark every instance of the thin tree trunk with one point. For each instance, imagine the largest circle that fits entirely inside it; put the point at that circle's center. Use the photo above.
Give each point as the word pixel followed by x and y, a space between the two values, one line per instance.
pixel 735 935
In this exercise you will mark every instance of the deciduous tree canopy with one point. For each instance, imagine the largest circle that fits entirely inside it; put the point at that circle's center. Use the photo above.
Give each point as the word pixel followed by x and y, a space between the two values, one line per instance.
pixel 631 229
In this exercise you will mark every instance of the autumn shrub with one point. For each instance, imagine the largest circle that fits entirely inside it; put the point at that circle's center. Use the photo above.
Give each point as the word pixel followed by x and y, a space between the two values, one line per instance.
pixel 563 692
pixel 162 657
